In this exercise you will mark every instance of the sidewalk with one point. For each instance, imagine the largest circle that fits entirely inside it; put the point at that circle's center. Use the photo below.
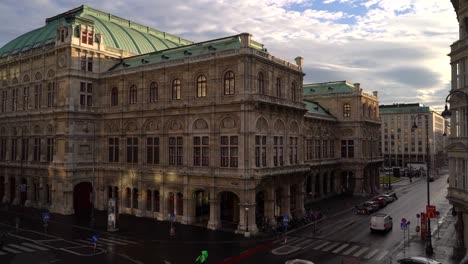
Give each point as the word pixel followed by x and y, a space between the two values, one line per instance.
pixel 443 243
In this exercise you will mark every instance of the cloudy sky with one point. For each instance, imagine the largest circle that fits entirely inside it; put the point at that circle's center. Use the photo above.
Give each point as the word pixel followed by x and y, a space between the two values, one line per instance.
pixel 396 47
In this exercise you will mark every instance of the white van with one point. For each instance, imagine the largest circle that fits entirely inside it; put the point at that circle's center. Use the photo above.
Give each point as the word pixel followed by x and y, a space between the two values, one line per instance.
pixel 381 222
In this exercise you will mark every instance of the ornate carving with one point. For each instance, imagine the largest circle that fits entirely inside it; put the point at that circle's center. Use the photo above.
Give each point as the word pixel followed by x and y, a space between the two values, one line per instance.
pixel 14 80
pixel 131 127
pixel 175 125
pixel 51 74
pixel 37 130
pixel 228 123
pixel 200 124
pixel 347 132
pixel 38 76
pixel 262 125
pixel 26 78
pixel 152 126
pixel 279 126
pixel 50 129
pixel 294 128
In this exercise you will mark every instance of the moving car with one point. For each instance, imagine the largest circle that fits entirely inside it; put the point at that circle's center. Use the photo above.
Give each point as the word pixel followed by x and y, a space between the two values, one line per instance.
pixel 381 222
pixel 298 261
pixel 418 260
pixel 388 198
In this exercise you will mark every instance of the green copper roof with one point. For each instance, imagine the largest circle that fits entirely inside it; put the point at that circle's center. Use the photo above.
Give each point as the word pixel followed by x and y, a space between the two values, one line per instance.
pixel 314 108
pixel 118 33
pixel 233 42
pixel 328 88
pixel 401 108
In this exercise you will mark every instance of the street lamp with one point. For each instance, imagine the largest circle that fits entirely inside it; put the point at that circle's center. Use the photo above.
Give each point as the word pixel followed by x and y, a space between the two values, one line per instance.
pixel 429 249
pixel 447 113
pixel 390 164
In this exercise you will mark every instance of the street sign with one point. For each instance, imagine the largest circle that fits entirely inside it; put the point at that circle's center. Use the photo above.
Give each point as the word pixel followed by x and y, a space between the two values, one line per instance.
pixel 45 217
pixel 202 257
pixel 285 218
pixel 431 211
pixel 172 216
pixel 403 220
pixel 403 226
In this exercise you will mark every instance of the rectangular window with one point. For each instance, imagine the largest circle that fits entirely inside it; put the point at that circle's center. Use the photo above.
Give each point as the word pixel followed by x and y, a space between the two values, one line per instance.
pixel 4 100
pixel 50 149
pixel 24 149
pixel 90 64
pixel 14 99
pixel 132 150
pixel 318 149
pixel 278 151
pixel 200 151
pixel 114 149
pixel 260 151
pixel 293 150
pixel 50 94
pixel 90 37
pixel 37 149
pixel 325 149
pixel 25 98
pixel 37 96
pixel 332 148
pixel 152 150
pixel 3 147
pixel 229 151
pixel 309 149
pixel 347 148
pixel 86 94
pixel 14 147
pixel 84 39
pixel 83 63
pixel 176 150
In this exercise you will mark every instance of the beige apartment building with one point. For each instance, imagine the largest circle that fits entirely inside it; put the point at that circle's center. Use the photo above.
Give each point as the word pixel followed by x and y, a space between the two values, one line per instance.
pixel 403 145
pixel 456 108
pixel 94 107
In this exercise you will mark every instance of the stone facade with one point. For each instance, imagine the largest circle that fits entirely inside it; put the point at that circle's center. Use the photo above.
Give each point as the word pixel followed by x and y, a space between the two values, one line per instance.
pixel 216 133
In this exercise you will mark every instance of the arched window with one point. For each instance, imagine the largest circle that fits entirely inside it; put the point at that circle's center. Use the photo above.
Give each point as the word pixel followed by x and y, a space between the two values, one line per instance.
pixel 135 198
pixel 149 200
pixel 170 203
pixel 128 197
pixel 278 87
pixel 153 92
pixel 176 89
pixel 114 96
pixel 346 110
pixel 201 86
pixel 180 204
pixel 229 84
pixel 261 83
pixel 293 91
pixel 156 201
pixel 132 99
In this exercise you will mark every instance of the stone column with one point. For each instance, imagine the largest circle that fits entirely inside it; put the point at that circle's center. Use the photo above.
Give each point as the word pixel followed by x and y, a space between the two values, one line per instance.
pixel 162 204
pixel 6 194
pixel 313 183
pixel 252 219
pixel 30 192
pixel 241 227
pixel 215 221
pixel 187 203
pixel 300 199
pixel 270 205
pixel 17 199
pixel 286 199
pixel 359 182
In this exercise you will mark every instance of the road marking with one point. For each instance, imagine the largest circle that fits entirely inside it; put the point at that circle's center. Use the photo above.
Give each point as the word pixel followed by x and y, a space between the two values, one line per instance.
pixel 330 246
pixel 350 250
pixel 298 241
pixel 113 242
pixel 14 251
pixel 2 253
pixel 34 246
pixel 106 243
pixel 370 254
pixel 322 245
pixel 313 244
pixel 357 254
pixel 122 240
pixel 22 248
pixel 380 257
pixel 303 243
pixel 340 248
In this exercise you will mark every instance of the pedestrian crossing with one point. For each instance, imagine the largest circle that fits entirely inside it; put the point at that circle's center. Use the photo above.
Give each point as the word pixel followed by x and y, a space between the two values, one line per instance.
pixel 336 247
pixel 20 248
pixel 109 241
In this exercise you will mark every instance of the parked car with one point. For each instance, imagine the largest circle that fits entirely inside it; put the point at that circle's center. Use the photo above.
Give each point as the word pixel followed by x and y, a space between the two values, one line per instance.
pixel 370 206
pixel 381 201
pixel 381 222
pixel 298 261
pixel 418 260
pixel 393 194
pixel 388 198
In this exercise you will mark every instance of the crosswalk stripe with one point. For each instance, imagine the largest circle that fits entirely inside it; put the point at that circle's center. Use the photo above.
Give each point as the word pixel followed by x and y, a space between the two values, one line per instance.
pixel 291 240
pixel 22 248
pixel 313 244
pixel 122 240
pixel 340 248
pixel 34 246
pixel 2 253
pixel 14 251
pixel 357 254
pixel 322 245
pixel 380 257
pixel 105 243
pixel 114 242
pixel 303 243
pixel 350 250
pixel 330 246
pixel 370 254
pixel 298 241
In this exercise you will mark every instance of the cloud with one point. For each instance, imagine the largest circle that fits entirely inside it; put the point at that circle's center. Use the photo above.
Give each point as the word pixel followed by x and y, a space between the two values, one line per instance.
pixel 397 46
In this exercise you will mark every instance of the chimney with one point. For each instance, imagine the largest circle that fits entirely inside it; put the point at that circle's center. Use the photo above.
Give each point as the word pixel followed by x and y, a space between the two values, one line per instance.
pixel 245 40
pixel 299 61
pixel 375 93
pixel 357 86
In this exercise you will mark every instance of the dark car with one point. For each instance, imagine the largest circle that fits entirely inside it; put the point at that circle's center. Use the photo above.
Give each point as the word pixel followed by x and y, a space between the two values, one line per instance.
pixel 370 206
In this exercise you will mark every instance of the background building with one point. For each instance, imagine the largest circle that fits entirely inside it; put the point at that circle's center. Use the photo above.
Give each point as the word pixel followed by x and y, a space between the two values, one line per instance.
pixel 401 144
pixel 95 107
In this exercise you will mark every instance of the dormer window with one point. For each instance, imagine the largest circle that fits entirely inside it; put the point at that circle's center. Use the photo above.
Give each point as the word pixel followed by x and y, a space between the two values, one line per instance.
pixel 87 36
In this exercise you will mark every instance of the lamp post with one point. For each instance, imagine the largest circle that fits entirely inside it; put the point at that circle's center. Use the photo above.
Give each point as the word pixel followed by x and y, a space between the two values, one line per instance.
pixel 447 113
pixel 390 164
pixel 429 249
